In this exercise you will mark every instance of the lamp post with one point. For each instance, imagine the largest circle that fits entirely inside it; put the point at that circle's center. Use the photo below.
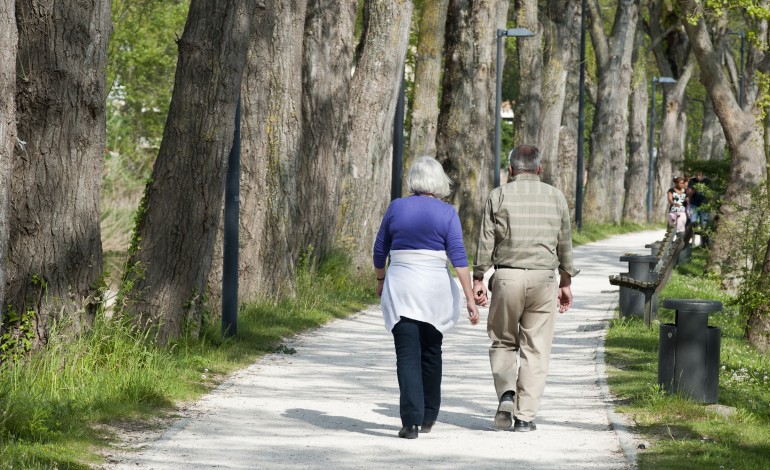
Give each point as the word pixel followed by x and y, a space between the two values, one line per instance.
pixel 581 121
pixel 517 33
pixel 651 176
pixel 397 171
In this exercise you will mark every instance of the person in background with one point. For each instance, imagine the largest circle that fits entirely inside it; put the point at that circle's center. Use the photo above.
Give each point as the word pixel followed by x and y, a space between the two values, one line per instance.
pixel 696 199
pixel 677 210
pixel 526 236
pixel 420 301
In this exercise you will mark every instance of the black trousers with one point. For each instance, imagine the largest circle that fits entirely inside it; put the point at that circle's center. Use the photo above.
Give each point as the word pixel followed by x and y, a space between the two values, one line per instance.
pixel 418 365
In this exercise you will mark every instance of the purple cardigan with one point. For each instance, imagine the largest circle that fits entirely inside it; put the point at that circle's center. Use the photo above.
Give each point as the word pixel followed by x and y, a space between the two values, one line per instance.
pixel 420 223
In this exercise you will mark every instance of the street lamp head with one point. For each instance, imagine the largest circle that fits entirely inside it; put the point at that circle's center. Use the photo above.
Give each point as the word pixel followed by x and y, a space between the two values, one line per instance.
pixel 663 80
pixel 519 33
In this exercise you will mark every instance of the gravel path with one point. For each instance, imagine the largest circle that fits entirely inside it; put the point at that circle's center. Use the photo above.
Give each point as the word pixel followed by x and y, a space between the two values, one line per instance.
pixel 334 404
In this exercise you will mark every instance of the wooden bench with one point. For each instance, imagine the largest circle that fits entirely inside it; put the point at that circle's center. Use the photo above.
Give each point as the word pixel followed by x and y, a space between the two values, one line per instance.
pixel 668 254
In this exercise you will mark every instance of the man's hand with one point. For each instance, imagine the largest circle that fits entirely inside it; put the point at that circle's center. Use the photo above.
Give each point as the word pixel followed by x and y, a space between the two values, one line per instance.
pixel 565 298
pixel 480 293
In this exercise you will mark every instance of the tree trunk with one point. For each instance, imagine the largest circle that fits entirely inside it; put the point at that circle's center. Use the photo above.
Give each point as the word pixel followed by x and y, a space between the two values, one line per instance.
pixel 427 80
pixel 747 168
pixel 672 141
pixel 55 253
pixel 758 322
pixel 606 167
pixel 465 143
pixel 364 140
pixel 529 106
pixel 561 30
pixel 8 45
pixel 271 96
pixel 637 174
pixel 568 135
pixel 328 57
pixel 712 138
pixel 173 244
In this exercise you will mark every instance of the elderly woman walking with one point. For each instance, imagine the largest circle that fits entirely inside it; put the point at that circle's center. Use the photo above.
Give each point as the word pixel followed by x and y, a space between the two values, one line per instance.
pixel 420 300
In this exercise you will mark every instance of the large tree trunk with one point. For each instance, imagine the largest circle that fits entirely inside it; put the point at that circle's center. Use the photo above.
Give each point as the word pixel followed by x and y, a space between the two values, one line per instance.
pixel 637 174
pixel 561 30
pixel 365 137
pixel 173 243
pixel 529 106
pixel 743 138
pixel 606 167
pixel 672 141
pixel 427 80
pixel 465 143
pixel 568 135
pixel 8 45
pixel 758 322
pixel 712 138
pixel 55 252
pixel 271 96
pixel 328 53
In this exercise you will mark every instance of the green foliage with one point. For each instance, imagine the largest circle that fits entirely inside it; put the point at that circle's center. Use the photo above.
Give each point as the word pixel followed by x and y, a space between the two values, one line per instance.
pixel 52 400
pixel 679 427
pixel 142 59
pixel 753 230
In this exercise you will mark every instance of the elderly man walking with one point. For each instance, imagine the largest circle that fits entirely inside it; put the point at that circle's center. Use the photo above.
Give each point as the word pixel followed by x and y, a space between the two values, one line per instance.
pixel 525 235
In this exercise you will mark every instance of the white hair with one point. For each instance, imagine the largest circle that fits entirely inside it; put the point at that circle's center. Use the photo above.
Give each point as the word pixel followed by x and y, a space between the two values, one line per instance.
pixel 426 176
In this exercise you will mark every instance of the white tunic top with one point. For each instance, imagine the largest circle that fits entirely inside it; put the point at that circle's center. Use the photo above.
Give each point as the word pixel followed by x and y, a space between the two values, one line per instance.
pixel 419 286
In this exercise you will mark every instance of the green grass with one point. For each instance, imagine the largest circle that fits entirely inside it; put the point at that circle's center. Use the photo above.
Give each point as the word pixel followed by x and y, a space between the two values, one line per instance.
pixel 52 402
pixel 595 232
pixel 684 434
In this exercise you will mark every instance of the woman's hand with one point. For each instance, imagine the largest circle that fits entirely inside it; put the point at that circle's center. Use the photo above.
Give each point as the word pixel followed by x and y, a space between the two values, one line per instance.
pixel 473 312
pixel 380 284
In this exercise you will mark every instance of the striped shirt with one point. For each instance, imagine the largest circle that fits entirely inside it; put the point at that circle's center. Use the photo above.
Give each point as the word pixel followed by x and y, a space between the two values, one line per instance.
pixel 525 225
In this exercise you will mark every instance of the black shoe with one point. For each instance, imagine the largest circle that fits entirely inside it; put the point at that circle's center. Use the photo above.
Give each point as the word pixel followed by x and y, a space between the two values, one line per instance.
pixel 504 415
pixel 524 426
pixel 408 432
pixel 427 426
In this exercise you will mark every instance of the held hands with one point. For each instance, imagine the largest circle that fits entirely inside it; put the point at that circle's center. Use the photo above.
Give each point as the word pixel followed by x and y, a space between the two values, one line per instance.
pixel 473 312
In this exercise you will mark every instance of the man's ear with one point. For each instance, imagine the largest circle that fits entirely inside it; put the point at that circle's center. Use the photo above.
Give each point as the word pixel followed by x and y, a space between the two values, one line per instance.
pixel 539 169
pixel 510 171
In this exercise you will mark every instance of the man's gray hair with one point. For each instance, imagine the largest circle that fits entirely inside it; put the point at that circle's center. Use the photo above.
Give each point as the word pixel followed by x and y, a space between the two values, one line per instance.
pixel 426 176
pixel 525 158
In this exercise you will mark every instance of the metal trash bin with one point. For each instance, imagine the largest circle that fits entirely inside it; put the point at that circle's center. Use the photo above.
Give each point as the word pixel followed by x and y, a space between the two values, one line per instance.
pixel 631 302
pixel 688 357
pixel 654 248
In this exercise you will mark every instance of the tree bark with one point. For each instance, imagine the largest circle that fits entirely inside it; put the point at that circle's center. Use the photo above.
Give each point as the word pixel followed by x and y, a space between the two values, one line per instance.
pixel 758 322
pixel 637 174
pixel 328 57
pixel 365 152
pixel 568 134
pixel 529 106
pixel 54 254
pixel 271 131
pixel 747 168
pixel 712 138
pixel 170 257
pixel 427 80
pixel 465 143
pixel 606 167
pixel 8 44
pixel 561 31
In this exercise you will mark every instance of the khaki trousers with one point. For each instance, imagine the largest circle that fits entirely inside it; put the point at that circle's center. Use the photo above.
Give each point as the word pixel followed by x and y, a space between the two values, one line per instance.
pixel 521 319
